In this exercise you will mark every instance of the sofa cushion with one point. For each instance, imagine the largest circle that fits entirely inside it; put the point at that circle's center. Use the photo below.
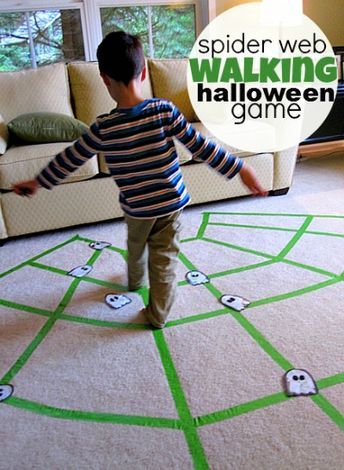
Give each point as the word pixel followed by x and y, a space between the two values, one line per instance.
pixel 89 93
pixel 82 202
pixel 25 162
pixel 206 185
pixel 3 136
pixel 168 78
pixel 39 128
pixel 36 90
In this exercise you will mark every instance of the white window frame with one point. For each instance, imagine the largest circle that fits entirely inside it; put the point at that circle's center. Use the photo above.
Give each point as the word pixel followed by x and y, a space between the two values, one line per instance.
pixel 90 14
pixel 30 5
pixel 150 3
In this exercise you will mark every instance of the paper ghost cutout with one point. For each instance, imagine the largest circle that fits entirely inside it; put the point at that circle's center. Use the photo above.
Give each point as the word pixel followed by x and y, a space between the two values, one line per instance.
pixel 80 271
pixel 195 278
pixel 235 302
pixel 299 382
pixel 99 245
pixel 117 300
pixel 5 391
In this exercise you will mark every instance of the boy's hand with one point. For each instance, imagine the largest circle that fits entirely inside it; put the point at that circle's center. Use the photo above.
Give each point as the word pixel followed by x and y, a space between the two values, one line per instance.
pixel 26 188
pixel 249 179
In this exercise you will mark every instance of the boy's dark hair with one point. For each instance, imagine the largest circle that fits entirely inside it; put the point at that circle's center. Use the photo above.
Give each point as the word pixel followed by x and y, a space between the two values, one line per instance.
pixel 120 56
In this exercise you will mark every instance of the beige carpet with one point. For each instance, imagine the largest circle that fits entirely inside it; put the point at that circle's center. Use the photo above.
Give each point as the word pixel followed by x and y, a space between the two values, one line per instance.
pixel 97 388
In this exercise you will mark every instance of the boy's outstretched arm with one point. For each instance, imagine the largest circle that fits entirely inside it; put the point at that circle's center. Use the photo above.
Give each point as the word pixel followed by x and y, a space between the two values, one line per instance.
pixel 250 180
pixel 26 188
pixel 65 163
pixel 218 158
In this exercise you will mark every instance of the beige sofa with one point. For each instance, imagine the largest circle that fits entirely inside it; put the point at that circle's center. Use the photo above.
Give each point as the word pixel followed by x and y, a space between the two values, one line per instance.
pixel 90 195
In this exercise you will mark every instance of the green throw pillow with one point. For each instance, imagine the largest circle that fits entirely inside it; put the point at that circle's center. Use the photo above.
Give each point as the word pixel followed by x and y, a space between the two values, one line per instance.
pixel 40 128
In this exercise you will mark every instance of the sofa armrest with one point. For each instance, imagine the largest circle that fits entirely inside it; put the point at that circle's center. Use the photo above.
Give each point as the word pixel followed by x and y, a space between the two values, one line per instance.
pixel 284 166
pixel 3 136
pixel 3 231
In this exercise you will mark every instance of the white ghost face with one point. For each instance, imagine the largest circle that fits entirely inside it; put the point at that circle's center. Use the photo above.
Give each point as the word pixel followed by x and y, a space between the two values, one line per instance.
pixel 80 271
pixel 117 300
pixel 196 278
pixel 299 382
pixel 235 302
pixel 99 245
pixel 5 392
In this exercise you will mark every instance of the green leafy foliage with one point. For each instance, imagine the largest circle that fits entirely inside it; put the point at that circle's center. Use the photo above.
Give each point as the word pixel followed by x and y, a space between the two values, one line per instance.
pixel 166 31
pixel 55 35
pixel 172 27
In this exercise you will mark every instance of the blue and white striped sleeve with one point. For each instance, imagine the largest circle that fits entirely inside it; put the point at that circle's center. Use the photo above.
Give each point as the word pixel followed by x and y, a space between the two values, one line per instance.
pixel 202 148
pixel 70 159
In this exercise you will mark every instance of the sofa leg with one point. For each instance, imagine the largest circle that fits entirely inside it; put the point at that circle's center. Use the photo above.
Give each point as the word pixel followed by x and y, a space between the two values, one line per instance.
pixel 2 243
pixel 278 192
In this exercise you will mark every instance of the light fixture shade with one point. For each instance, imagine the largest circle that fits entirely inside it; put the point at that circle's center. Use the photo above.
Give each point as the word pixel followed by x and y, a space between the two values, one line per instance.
pixel 281 12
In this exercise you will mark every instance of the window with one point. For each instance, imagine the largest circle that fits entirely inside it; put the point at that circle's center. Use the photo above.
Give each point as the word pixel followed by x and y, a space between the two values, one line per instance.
pixel 34 38
pixel 65 30
pixel 166 31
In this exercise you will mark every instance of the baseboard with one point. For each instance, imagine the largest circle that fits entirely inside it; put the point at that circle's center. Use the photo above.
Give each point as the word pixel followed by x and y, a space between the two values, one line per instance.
pixel 320 150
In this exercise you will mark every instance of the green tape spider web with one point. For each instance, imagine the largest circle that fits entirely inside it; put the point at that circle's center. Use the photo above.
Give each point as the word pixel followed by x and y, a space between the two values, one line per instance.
pixel 186 422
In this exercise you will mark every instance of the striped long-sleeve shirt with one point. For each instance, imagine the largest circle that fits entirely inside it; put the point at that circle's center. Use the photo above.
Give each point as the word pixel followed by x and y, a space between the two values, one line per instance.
pixel 138 147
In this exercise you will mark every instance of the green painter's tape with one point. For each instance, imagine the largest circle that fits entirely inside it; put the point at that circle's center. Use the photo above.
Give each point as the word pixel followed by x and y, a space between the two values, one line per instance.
pixel 45 267
pixel 263 402
pixel 239 248
pixel 26 308
pixel 45 253
pixel 19 364
pixel 261 340
pixel 242 269
pixel 257 227
pixel 186 422
pixel 276 258
pixel 188 425
pixel 327 234
pixel 67 297
pixel 295 293
pixel 326 406
pixel 211 288
pixel 186 262
pixel 25 356
pixel 241 409
pixel 187 240
pixel 307 267
pixel 104 323
pixel 77 415
pixel 273 228
pixel 290 245
pixel 123 253
pixel 278 214
pixel 330 381
pixel 99 282
pixel 232 271
pixel 75 319
pixel 329 409
pixel 203 226
pixel 195 318
pixel 144 293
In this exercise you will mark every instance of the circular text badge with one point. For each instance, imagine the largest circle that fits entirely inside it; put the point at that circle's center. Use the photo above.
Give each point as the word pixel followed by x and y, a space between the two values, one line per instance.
pixel 261 84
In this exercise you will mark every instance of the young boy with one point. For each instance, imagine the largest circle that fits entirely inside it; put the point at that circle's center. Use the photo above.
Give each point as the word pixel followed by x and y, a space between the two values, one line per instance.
pixel 136 140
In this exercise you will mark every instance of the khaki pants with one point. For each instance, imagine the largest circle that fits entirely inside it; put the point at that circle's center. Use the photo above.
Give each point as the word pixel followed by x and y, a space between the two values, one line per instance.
pixel 154 242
